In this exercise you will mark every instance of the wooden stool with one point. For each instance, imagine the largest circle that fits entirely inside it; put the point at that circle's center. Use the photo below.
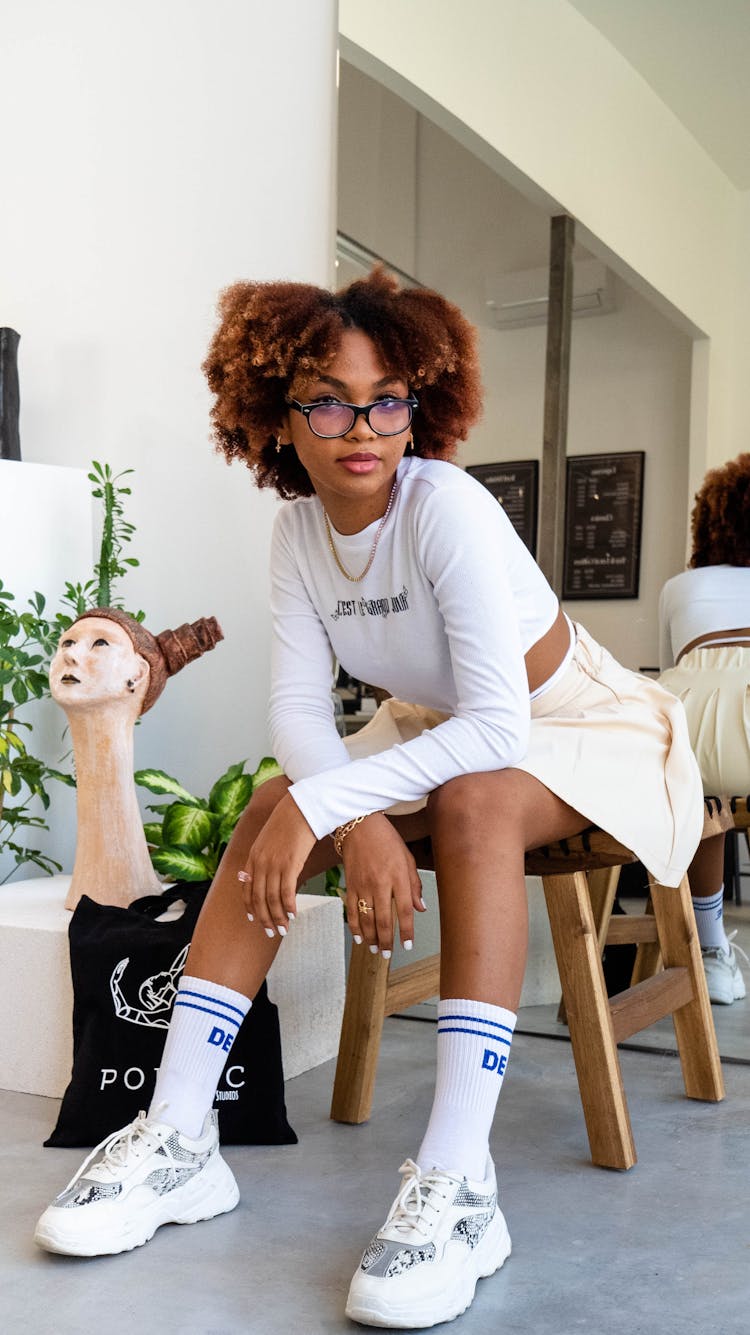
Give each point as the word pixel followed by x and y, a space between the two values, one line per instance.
pixel 597 1024
pixel 723 814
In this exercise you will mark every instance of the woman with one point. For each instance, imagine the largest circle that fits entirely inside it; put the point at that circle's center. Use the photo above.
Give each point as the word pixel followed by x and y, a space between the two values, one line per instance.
pixel 405 569
pixel 107 671
pixel 704 645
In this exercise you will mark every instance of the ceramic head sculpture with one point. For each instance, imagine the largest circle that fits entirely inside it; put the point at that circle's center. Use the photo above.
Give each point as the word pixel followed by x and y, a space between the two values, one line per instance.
pixel 107 655
pixel 108 670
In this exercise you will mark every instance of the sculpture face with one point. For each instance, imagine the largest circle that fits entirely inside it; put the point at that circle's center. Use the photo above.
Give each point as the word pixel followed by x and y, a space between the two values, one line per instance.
pixel 96 664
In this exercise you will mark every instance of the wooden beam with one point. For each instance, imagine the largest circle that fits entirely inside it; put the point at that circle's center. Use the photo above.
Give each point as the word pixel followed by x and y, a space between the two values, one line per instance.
pixel 649 1001
pixel 631 929
pixel 412 983
pixel 556 387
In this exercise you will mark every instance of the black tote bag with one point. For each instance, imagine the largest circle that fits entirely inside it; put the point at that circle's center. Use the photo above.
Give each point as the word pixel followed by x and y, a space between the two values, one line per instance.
pixel 125 968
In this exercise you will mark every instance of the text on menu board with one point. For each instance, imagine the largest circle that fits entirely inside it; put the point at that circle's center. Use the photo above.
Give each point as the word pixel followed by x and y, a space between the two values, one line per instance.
pixel 516 486
pixel 603 507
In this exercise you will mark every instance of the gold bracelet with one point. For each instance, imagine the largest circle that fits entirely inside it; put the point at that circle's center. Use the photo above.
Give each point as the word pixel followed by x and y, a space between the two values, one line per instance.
pixel 341 831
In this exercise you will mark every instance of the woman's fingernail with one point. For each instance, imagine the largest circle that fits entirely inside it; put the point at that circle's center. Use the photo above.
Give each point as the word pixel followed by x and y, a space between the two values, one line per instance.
pixel 250 917
pixel 290 916
pixel 357 940
pixel 407 945
pixel 424 906
pixel 281 931
pixel 386 954
pixel 373 950
pixel 270 933
pixel 244 876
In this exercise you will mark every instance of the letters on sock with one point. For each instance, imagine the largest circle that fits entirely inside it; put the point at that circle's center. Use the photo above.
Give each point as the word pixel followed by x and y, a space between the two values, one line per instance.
pixel 494 1061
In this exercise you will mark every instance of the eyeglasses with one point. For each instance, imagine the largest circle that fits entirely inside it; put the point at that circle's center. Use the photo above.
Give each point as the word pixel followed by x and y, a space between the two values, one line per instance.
pixel 386 417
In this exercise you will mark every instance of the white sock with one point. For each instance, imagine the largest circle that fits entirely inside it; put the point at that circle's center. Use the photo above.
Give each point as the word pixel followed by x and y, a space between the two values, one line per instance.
pixel 473 1043
pixel 205 1022
pixel 709 916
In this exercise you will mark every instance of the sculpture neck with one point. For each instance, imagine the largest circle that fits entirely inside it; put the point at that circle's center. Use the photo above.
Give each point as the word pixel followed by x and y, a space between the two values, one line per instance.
pixel 112 865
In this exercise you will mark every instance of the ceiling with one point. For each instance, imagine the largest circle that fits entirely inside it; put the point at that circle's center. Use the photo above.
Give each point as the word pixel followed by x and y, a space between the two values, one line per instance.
pixel 695 55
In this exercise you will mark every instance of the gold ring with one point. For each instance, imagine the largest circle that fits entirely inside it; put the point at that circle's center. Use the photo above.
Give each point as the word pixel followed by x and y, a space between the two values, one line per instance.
pixel 363 906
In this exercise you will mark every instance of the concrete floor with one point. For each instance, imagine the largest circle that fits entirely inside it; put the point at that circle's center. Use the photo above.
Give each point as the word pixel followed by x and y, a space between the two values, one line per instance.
pixel 663 1248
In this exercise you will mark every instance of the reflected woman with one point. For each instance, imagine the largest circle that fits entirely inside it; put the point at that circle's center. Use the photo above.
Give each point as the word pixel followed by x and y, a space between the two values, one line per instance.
pixel 107 671
pixel 704 645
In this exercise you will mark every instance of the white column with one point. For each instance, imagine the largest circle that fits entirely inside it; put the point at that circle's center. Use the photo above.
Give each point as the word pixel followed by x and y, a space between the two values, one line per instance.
pixel 152 154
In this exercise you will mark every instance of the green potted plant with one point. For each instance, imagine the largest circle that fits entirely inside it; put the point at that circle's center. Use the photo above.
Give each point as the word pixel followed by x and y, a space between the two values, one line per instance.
pixel 27 641
pixel 25 645
pixel 188 840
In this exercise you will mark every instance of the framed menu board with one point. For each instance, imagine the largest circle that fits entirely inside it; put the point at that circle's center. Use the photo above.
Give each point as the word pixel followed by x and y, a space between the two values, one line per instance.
pixel 603 508
pixel 516 487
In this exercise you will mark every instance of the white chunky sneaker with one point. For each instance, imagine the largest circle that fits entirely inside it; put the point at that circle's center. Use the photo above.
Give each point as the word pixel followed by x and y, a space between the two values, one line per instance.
pixel 442 1234
pixel 139 1178
pixel 723 975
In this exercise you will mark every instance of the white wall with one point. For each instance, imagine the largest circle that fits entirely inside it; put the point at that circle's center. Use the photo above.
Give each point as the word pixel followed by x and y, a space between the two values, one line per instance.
pixel 157 153
pixel 630 373
pixel 542 97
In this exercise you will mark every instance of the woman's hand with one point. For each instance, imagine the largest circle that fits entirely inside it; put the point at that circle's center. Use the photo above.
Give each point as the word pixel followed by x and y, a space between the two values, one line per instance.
pixel 380 871
pixel 274 865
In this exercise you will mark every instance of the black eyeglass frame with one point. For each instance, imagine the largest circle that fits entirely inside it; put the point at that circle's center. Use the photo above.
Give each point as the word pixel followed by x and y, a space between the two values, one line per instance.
pixel 359 410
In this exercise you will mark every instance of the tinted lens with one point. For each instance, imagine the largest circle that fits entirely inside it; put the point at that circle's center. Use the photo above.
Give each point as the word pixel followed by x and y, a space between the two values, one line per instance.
pixel 390 417
pixel 330 419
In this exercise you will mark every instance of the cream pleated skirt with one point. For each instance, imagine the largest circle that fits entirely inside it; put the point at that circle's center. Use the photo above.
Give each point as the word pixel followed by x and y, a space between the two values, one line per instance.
pixel 714 687
pixel 612 744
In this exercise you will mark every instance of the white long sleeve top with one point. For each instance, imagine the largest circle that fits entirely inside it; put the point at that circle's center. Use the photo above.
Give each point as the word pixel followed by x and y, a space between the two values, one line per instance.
pixel 443 618
pixel 698 602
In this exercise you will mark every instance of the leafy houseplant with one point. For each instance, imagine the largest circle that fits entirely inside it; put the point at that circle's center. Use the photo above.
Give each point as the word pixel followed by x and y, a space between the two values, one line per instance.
pixel 27 641
pixel 111 566
pixel 189 840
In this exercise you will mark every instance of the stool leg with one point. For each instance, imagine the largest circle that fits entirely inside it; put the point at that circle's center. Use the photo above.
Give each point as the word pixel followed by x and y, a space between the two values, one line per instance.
pixel 603 883
pixel 579 962
pixel 693 1023
pixel 648 961
pixel 361 1031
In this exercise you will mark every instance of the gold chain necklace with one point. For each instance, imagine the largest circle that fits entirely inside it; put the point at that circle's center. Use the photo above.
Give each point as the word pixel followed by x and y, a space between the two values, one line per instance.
pixel 355 579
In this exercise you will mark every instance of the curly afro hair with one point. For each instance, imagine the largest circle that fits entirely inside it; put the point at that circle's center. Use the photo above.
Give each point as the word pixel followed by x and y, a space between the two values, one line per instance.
pixel 720 522
pixel 271 335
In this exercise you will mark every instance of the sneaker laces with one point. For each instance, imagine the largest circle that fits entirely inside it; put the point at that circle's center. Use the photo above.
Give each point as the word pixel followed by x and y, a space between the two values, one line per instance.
pixel 737 948
pixel 719 953
pixel 116 1148
pixel 409 1210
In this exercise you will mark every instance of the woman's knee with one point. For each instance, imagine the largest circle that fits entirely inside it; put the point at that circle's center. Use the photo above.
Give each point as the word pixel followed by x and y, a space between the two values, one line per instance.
pixel 471 800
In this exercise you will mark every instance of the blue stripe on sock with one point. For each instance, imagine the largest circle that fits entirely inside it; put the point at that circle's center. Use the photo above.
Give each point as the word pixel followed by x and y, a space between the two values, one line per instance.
pixel 227 1019
pixel 476 1019
pixel 188 992
pixel 477 1033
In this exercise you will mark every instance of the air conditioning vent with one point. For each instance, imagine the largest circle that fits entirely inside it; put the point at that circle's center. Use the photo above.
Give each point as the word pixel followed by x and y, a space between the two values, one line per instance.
pixel 519 299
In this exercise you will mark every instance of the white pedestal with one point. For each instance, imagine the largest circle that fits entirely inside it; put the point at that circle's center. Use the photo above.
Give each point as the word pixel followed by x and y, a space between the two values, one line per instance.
pixel 36 996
